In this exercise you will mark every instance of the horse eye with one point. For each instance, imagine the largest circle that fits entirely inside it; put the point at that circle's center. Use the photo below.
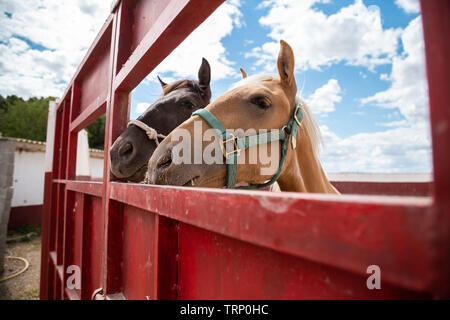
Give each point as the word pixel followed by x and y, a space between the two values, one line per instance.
pixel 261 102
pixel 187 104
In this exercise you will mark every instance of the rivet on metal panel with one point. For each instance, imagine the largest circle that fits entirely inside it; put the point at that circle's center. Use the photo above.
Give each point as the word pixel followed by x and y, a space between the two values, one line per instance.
pixel 176 287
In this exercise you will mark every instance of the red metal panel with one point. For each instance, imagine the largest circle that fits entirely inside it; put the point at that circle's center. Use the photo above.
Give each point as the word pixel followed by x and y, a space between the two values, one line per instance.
pixel 49 294
pixel 60 224
pixel 57 144
pixel 212 266
pixel 91 188
pixel 25 215
pixel 144 14
pixel 178 19
pixel 58 285
pixel 167 252
pixel 89 55
pixel 117 116
pixel 88 115
pixel 45 239
pixel 70 156
pixel 53 219
pixel 139 254
pixel 93 239
pixel 436 22
pixel 149 250
pixel 68 240
pixel 78 234
pixel 350 232
pixel 93 85
pixel 415 189
pixel 113 247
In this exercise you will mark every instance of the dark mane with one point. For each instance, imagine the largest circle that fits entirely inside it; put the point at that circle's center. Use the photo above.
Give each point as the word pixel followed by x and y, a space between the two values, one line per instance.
pixel 181 84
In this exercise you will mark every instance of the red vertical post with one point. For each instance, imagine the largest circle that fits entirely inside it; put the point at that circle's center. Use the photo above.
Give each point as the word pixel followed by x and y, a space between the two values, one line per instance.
pixel 47 219
pixel 86 265
pixel 436 22
pixel 69 196
pixel 116 121
pixel 166 253
pixel 61 187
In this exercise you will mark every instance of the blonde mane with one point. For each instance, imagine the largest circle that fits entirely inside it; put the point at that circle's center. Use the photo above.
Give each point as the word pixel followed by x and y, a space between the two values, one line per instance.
pixel 309 122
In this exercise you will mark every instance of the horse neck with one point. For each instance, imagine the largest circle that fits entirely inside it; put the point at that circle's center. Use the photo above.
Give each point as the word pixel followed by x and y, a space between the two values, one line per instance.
pixel 303 172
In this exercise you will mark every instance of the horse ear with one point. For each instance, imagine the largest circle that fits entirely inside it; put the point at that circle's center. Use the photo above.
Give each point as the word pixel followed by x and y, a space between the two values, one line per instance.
pixel 204 74
pixel 244 74
pixel 286 64
pixel 163 84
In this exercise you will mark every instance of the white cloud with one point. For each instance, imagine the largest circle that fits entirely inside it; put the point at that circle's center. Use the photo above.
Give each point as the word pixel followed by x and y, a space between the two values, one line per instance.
pixel 406 145
pixel 141 107
pixel 410 6
pixel 353 35
pixel 62 31
pixel 324 99
pixel 384 77
pixel 399 150
pixel 205 41
pixel 409 90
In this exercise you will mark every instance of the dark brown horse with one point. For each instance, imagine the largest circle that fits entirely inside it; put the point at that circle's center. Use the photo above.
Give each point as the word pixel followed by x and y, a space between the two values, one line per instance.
pixel 132 150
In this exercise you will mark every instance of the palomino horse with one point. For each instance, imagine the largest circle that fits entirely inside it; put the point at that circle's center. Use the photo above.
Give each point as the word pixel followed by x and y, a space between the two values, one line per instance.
pixel 256 103
pixel 133 148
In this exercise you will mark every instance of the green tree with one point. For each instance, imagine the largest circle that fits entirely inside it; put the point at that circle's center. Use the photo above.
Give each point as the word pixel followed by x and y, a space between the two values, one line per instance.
pixel 2 104
pixel 96 133
pixel 25 119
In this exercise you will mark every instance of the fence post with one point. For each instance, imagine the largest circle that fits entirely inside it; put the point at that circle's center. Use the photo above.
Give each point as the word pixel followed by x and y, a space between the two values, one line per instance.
pixel 46 208
pixel 436 25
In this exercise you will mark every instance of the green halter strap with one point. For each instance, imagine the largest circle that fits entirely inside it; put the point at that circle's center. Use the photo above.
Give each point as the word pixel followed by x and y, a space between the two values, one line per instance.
pixel 285 134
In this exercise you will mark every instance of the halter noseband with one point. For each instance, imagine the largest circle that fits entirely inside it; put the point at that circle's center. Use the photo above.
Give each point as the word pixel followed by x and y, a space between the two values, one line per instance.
pixel 288 132
pixel 152 134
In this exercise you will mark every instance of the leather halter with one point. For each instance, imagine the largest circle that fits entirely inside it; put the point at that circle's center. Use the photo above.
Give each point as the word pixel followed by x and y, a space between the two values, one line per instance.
pixel 288 132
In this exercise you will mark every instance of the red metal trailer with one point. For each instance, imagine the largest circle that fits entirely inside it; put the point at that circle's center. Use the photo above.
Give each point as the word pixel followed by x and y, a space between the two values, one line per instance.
pixel 135 241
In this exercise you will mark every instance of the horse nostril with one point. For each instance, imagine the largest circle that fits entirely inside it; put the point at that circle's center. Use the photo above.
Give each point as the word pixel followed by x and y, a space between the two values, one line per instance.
pixel 165 161
pixel 126 149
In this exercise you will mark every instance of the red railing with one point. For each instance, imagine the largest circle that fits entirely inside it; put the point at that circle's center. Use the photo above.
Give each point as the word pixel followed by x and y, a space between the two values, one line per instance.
pixel 140 241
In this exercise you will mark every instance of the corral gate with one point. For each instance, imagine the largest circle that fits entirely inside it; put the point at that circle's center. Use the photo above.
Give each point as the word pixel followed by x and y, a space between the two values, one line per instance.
pixel 136 241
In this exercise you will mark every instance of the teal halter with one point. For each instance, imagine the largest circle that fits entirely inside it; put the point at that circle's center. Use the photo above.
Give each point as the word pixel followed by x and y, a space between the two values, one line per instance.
pixel 285 134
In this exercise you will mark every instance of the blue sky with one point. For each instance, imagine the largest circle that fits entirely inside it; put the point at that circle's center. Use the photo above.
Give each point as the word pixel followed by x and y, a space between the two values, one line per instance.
pixel 359 63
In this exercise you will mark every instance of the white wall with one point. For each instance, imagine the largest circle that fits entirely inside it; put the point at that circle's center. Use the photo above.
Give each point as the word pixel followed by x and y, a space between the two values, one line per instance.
pixel 28 180
pixel 96 165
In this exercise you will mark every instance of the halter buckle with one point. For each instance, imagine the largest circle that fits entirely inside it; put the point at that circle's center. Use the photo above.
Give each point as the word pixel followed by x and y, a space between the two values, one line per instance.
pixel 235 145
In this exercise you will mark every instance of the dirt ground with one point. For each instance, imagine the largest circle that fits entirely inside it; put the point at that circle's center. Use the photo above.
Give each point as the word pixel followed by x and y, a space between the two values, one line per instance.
pixel 26 285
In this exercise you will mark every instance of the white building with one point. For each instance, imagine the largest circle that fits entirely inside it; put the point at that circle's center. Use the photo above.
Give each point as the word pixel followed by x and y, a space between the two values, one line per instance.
pixel 28 177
